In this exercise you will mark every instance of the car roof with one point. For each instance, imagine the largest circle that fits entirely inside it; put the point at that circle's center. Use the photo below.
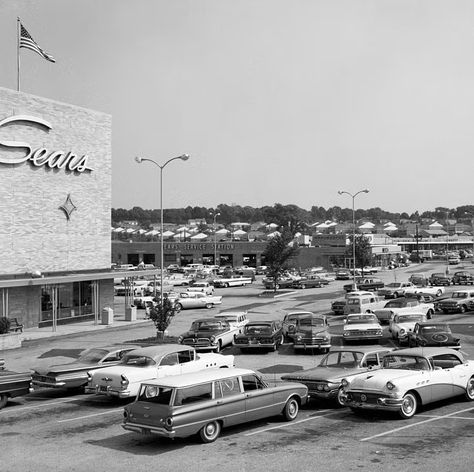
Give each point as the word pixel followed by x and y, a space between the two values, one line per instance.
pixel 261 322
pixel 208 375
pixel 299 313
pixel 210 319
pixel 364 349
pixel 433 323
pixel 160 350
pixel 231 313
pixel 425 351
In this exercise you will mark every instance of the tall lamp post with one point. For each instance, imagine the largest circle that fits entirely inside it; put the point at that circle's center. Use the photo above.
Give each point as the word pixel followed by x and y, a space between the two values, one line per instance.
pixel 340 192
pixel 215 215
pixel 183 157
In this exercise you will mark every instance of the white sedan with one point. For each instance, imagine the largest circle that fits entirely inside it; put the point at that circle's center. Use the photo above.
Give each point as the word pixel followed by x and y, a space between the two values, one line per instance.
pixel 411 378
pixel 196 300
pixel 151 363
pixel 433 291
pixel 403 323
pixel 362 327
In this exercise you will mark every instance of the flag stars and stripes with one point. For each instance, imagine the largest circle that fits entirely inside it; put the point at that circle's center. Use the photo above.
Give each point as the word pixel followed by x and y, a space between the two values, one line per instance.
pixel 26 41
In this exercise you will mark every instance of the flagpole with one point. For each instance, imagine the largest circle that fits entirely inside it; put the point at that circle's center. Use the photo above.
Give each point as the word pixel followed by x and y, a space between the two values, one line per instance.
pixel 18 53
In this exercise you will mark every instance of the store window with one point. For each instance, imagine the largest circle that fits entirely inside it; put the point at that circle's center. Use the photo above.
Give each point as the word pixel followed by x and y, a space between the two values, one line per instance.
pixel 226 259
pixel 70 301
pixel 250 260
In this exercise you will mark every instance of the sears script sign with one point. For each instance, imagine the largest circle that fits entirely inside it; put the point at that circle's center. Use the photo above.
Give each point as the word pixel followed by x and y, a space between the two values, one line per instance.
pixel 40 156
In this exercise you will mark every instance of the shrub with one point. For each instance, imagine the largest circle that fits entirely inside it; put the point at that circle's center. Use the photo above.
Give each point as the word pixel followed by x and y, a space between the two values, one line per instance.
pixel 4 325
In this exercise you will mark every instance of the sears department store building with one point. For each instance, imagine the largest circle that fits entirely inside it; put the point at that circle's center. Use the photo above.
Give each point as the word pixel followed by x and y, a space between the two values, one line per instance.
pixel 55 207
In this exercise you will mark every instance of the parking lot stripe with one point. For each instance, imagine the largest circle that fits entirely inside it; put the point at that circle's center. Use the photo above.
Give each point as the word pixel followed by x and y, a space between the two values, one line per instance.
pixel 436 418
pixel 90 416
pixel 42 405
pixel 290 423
pixel 451 417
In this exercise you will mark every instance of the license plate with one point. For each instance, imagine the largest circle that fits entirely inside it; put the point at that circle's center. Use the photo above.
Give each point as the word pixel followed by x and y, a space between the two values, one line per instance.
pixel 102 388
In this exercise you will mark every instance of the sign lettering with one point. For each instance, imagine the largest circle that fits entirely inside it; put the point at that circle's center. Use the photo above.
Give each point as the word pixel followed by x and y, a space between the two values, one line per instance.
pixel 42 156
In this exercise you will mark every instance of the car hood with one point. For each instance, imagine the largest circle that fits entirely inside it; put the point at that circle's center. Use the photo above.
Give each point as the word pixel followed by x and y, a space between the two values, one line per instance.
pixel 63 368
pixel 332 374
pixel 361 326
pixel 377 379
pixel 201 334
pixel 440 337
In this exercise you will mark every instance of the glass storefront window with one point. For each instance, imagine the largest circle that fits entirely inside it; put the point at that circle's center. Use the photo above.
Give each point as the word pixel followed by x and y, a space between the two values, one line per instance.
pixel 72 300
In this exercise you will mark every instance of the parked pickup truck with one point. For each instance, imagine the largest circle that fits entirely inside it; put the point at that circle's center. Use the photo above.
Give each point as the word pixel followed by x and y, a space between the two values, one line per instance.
pixel 13 384
pixel 364 283
pixel 234 281
pixel 211 334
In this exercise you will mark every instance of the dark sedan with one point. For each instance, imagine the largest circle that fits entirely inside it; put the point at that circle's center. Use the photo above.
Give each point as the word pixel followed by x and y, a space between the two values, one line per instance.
pixel 364 283
pixel 433 334
pixel 260 335
pixel 308 282
pixel 13 384
pixel 74 374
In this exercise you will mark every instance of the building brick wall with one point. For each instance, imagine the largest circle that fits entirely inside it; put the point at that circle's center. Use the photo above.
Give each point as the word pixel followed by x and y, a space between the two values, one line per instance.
pixel 34 232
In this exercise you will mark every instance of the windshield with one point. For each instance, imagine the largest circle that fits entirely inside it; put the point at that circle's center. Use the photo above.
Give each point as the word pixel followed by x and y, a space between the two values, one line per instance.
pixel 409 318
pixel 258 329
pixel 311 322
pixel 393 285
pixel 92 355
pixel 395 304
pixel 435 329
pixel 361 319
pixel 343 359
pixel 459 295
pixel 137 360
pixel 206 325
pixel 394 361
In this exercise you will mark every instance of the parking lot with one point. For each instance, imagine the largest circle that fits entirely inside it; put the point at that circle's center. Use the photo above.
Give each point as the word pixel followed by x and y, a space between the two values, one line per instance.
pixel 61 430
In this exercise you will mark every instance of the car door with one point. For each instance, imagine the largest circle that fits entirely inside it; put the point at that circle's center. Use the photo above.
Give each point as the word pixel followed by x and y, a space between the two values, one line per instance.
pixel 259 399
pixel 442 381
pixel 230 401
pixel 169 365
pixel 187 363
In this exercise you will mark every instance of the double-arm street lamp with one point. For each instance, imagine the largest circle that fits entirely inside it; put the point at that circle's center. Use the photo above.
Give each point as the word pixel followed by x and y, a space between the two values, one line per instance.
pixel 215 215
pixel 183 157
pixel 340 192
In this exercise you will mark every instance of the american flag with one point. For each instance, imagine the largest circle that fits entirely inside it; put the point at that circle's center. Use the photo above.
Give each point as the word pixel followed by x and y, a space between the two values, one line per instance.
pixel 26 41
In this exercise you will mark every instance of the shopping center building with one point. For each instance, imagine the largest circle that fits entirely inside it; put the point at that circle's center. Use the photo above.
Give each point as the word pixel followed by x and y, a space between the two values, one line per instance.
pixel 55 207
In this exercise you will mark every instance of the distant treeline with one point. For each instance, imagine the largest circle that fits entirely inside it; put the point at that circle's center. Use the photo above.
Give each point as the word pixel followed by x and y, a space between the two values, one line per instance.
pixel 283 215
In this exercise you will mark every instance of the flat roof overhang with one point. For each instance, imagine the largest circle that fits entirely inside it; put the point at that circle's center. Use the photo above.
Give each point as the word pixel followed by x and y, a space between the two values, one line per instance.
pixel 64 278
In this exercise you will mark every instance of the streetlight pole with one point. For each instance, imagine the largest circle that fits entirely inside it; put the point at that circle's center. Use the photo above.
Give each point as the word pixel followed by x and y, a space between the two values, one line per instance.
pixel 183 157
pixel 215 238
pixel 340 192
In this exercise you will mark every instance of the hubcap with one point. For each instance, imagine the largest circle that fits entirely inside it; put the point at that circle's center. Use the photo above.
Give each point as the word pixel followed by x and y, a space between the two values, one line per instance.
pixel 210 429
pixel 408 405
pixel 470 388
pixel 292 408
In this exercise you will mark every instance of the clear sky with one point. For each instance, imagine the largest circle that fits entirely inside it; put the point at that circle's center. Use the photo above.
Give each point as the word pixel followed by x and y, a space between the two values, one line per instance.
pixel 276 101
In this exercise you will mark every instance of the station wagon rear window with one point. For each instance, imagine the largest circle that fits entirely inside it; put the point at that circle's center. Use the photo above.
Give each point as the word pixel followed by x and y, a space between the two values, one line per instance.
pixel 193 394
pixel 258 329
pixel 361 319
pixel 206 325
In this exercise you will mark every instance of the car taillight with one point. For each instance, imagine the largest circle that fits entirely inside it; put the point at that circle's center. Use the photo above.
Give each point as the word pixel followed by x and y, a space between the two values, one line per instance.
pixel 124 382
pixel 169 422
pixel 89 377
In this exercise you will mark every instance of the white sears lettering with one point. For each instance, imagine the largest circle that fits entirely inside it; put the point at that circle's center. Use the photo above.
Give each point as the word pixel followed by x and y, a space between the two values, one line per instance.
pixel 42 156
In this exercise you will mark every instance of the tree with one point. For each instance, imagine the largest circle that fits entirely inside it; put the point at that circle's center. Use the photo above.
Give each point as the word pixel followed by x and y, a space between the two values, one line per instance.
pixel 277 253
pixel 363 251
pixel 161 316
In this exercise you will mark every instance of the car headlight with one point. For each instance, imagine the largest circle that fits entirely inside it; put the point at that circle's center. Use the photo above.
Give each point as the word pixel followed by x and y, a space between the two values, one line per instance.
pixel 402 331
pixel 124 382
pixel 180 339
pixel 345 383
pixel 390 385
pixel 212 339
pixel 89 377
pixel 298 338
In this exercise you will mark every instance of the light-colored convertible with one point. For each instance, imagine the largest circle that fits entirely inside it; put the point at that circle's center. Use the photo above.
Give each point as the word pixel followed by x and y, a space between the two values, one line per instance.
pixel 196 300
pixel 411 378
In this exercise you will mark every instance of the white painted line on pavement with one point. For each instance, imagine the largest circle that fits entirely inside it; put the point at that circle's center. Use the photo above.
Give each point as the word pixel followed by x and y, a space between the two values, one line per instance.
pixel 451 417
pixel 436 418
pixel 42 405
pixel 290 423
pixel 90 416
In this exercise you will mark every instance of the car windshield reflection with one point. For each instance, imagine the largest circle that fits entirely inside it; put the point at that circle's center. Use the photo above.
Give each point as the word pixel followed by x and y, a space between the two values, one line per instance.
pixel 137 361
pixel 92 355
pixel 258 329
pixel 394 361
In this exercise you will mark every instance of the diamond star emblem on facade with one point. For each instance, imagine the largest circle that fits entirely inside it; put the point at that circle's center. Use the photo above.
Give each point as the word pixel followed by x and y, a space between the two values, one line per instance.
pixel 68 207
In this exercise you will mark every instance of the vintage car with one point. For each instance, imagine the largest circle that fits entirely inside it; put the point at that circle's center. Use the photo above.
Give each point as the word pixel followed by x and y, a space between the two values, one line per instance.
pixel 404 305
pixel 151 363
pixel 196 300
pixel 409 379
pixel 324 382
pixel 363 303
pixel 394 289
pixel 439 278
pixel 282 282
pixel 463 277
pixel 364 283
pixel 209 334
pixel 232 281
pixel 291 318
pixel 343 274
pixel 309 282
pixel 13 384
pixel 424 291
pixel 339 306
pixel 419 279
pixel 362 327
pixel 310 332
pixel 234 318
pixel 74 374
pixel 403 323
pixel 433 334
pixel 458 303
pixel 205 402
pixel 203 287
pixel 260 335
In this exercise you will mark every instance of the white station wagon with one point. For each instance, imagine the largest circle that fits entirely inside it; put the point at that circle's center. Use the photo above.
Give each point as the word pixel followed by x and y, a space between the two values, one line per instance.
pixel 151 363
